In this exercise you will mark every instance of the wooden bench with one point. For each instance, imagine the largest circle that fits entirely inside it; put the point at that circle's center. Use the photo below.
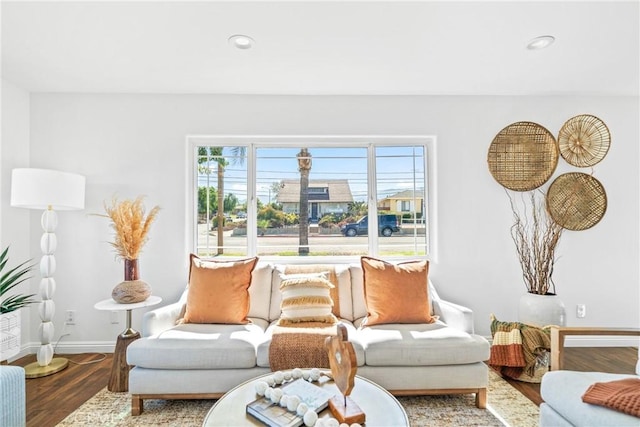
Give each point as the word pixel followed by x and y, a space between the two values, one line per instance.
pixel 558 333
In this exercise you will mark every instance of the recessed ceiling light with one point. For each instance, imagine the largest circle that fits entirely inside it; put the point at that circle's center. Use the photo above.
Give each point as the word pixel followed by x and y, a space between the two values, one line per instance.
pixel 540 42
pixel 241 41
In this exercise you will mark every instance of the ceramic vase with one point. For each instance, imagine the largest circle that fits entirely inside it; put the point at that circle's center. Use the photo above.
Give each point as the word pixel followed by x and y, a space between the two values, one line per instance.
pixel 133 289
pixel 541 310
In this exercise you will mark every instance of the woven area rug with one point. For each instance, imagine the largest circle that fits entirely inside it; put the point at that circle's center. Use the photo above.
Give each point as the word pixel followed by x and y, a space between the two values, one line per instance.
pixel 506 407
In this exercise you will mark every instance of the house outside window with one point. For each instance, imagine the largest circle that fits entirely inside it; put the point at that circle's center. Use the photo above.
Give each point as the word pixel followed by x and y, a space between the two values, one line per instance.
pixel 407 201
pixel 325 197
pixel 255 185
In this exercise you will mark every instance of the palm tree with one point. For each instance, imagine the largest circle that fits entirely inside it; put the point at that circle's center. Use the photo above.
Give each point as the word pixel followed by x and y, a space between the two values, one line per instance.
pixel 304 166
pixel 358 208
pixel 220 220
pixel 275 189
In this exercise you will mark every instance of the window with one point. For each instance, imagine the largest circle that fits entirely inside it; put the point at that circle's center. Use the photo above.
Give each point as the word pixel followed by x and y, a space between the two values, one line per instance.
pixel 318 190
pixel 333 196
pixel 401 175
pixel 221 175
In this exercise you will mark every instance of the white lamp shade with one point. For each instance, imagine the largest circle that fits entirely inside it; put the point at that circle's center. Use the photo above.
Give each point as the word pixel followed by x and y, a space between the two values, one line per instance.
pixel 43 188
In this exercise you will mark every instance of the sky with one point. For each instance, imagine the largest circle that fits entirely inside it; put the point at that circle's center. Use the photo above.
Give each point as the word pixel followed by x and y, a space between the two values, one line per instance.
pixel 397 169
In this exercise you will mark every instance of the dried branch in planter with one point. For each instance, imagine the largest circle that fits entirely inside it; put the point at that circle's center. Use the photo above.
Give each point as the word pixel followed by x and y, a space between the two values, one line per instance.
pixel 130 225
pixel 536 236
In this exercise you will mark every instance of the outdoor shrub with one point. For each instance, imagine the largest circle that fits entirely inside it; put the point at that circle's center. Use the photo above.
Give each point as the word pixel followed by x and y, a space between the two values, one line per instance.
pixel 291 218
pixel 328 220
pixel 275 217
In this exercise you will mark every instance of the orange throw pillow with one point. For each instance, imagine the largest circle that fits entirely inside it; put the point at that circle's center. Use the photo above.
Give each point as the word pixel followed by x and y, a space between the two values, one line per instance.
pixel 219 291
pixel 396 293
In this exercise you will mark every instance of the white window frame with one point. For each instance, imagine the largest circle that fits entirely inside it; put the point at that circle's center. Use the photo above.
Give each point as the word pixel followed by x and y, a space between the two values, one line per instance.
pixel 252 142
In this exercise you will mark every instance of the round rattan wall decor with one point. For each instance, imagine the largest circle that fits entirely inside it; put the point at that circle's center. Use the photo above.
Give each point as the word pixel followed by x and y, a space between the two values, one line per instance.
pixel 576 201
pixel 523 156
pixel 584 140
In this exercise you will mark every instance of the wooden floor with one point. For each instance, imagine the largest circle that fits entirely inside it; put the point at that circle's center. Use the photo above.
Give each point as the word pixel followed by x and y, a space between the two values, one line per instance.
pixel 618 360
pixel 50 399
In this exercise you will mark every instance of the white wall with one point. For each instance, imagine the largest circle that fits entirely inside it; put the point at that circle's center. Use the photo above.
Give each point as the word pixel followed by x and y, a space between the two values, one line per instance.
pixel 14 152
pixel 135 144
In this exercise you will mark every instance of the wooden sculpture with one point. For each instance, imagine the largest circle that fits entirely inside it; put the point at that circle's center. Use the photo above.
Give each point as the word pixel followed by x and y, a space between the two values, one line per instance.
pixel 342 361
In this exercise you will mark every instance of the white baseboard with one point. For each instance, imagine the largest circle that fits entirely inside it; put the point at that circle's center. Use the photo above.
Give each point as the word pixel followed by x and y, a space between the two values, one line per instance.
pixel 75 347
pixel 70 347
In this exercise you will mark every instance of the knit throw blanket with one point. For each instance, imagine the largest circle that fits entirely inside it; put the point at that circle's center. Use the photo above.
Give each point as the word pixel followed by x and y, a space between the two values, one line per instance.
pixel 620 395
pixel 519 351
pixel 300 346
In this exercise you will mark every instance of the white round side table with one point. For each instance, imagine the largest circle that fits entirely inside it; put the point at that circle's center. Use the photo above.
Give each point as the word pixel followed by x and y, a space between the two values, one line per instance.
pixel 119 378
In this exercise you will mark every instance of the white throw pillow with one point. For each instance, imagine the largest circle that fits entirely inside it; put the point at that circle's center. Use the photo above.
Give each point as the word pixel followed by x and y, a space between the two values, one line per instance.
pixel 306 298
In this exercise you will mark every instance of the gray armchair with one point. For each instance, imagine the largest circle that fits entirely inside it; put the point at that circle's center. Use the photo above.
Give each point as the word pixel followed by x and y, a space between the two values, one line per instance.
pixel 12 396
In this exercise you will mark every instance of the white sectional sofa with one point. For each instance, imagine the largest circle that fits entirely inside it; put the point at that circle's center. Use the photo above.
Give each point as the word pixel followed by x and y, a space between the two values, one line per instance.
pixel 563 406
pixel 195 361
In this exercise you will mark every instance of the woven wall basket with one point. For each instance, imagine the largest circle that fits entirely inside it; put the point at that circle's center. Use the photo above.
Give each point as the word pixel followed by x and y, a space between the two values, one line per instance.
pixel 576 201
pixel 584 140
pixel 523 156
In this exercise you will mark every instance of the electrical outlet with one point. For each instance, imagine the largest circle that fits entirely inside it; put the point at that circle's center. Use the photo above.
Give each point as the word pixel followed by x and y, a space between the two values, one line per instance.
pixel 70 318
pixel 114 318
pixel 581 311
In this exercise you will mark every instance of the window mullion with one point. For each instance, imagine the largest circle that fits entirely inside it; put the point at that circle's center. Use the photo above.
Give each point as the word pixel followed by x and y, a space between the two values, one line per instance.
pixel 193 200
pixel 430 199
pixel 208 199
pixel 252 202
pixel 372 200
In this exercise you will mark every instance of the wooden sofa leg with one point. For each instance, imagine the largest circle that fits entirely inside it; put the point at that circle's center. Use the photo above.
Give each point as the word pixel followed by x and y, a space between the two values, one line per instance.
pixel 481 398
pixel 137 405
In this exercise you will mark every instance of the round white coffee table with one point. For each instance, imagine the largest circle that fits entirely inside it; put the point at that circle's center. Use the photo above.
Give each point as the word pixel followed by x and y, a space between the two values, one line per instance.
pixel 379 406
pixel 119 378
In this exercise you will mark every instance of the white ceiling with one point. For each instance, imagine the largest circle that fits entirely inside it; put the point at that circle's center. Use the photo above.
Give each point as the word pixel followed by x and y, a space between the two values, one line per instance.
pixel 323 47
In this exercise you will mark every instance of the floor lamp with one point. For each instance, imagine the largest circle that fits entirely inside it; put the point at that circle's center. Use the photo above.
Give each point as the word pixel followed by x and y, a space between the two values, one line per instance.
pixel 49 190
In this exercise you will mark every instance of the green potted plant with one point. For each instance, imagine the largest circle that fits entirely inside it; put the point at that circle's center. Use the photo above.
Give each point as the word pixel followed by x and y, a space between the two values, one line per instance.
pixel 9 305
pixel 9 280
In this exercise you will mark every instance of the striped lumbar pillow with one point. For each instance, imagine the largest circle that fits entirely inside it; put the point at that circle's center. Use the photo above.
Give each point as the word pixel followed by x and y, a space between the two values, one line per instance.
pixel 306 298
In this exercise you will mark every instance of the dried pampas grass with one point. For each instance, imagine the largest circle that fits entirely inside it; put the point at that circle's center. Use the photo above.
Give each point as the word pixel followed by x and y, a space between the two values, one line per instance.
pixel 130 225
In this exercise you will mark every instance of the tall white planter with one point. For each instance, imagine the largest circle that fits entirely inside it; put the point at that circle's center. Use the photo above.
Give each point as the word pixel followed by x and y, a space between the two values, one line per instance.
pixel 9 334
pixel 541 310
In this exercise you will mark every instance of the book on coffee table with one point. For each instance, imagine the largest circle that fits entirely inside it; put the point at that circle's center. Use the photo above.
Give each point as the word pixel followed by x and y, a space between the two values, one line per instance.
pixel 274 415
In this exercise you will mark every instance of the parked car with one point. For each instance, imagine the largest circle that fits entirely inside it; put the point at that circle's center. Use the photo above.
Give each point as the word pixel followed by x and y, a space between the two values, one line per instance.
pixel 387 225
